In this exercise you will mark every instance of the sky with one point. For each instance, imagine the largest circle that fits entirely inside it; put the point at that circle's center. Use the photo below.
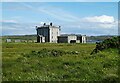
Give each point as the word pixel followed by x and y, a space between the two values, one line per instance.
pixel 60 0
pixel 87 18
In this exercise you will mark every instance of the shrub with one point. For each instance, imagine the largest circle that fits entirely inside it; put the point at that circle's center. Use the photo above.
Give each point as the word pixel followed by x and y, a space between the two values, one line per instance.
pixel 108 43
pixel 45 52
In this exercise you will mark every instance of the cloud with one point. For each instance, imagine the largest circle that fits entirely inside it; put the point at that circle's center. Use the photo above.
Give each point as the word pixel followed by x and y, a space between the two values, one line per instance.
pixel 12 27
pixel 108 25
pixel 62 15
pixel 95 22
pixel 69 22
pixel 101 19
pixel 97 25
pixel 53 12
pixel 8 21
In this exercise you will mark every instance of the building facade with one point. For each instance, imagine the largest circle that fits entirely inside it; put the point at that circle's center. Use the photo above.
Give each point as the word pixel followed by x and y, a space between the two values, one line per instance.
pixel 48 33
pixel 72 38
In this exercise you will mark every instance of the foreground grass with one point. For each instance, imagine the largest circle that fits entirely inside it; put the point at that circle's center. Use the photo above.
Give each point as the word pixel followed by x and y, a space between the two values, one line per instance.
pixel 18 66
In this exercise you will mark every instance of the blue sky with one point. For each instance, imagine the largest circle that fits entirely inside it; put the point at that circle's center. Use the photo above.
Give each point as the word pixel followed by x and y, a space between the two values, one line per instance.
pixel 60 0
pixel 88 18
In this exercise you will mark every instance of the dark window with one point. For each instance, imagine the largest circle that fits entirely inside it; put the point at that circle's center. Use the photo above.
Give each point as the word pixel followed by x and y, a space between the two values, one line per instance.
pixel 73 41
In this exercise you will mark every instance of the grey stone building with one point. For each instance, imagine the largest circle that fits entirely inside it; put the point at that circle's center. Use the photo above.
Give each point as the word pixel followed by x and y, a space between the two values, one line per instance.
pixel 48 33
pixel 8 40
pixel 72 38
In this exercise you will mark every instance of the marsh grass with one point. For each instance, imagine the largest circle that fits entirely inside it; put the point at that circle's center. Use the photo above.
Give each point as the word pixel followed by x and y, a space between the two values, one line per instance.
pixel 58 62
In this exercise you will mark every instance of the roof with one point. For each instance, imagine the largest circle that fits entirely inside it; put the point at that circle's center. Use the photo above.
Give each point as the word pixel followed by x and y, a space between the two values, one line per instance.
pixel 66 35
pixel 48 26
pixel 71 35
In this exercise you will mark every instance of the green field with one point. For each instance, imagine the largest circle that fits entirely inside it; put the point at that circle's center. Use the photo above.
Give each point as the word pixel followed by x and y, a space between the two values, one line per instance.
pixel 57 62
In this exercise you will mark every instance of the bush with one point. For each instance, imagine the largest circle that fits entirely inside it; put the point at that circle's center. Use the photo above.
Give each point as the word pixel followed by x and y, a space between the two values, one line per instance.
pixel 108 43
pixel 45 52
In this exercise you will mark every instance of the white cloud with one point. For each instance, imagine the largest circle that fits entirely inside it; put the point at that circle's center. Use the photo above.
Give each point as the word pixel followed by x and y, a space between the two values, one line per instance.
pixel 42 23
pixel 12 27
pixel 103 24
pixel 60 15
pixel 8 21
pixel 101 19
pixel 54 12
pixel 95 22
pixel 106 25
pixel 97 25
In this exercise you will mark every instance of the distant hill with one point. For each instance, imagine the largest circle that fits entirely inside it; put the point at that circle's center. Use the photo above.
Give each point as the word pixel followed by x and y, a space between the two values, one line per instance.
pixel 94 39
pixel 33 37
pixel 20 37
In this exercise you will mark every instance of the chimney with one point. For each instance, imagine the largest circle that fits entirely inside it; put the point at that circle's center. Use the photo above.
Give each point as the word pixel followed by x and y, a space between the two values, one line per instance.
pixel 51 24
pixel 44 24
pixel 60 28
pixel 36 27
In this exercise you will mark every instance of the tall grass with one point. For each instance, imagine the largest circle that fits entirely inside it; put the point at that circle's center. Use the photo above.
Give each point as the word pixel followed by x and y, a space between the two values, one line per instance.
pixel 58 62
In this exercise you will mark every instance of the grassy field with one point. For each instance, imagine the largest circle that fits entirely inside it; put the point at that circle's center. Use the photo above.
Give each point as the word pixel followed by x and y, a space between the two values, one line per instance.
pixel 57 62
